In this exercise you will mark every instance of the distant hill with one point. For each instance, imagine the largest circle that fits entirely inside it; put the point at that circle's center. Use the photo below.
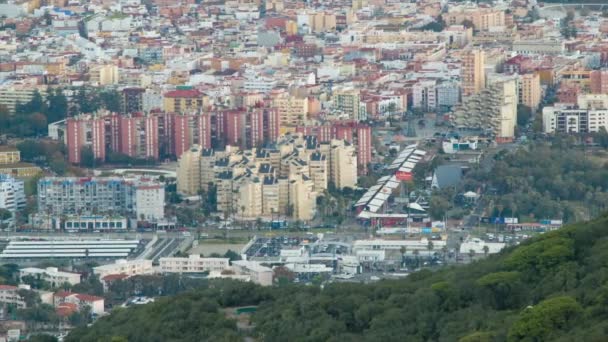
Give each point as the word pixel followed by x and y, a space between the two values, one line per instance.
pixel 550 288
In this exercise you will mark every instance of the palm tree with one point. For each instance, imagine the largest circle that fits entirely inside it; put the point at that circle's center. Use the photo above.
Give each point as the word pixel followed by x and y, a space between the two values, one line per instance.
pixel 430 247
pixel 471 254
pixel 486 250
pixel 403 249
pixel 444 251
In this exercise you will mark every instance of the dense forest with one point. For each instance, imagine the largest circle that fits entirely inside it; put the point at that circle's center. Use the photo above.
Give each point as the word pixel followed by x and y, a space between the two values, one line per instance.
pixel 550 288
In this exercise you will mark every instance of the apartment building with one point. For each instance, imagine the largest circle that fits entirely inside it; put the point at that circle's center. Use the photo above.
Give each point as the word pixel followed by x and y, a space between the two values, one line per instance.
pixel 530 91
pixel 12 195
pixel 473 73
pixel 590 114
pixel 493 110
pixel 85 131
pixel 104 74
pixel 483 19
pixel 11 94
pixel 292 110
pixel 347 100
pixel 141 198
pixel 194 263
pixel 10 295
pixel 51 275
pixel 599 81
pixel 343 161
pixel 126 267
pixel 185 100
pixel 9 155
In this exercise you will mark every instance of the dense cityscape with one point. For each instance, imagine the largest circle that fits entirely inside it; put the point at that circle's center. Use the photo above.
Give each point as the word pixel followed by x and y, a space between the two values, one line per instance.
pixel 277 170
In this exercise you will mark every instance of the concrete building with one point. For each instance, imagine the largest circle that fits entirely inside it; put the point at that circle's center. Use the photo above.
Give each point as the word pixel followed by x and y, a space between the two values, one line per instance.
pixel 549 47
pixel 599 81
pixel 347 100
pixel 105 74
pixel 493 110
pixel 192 264
pixel 473 72
pixel 95 303
pixel 11 94
pixel 302 198
pixel 141 198
pixel 258 274
pixel 483 19
pixel 10 164
pixel 530 92
pixel 85 132
pixel 12 196
pixel 292 110
pixel 50 274
pixel 185 101
pixel 10 295
pixel 424 95
pixel 567 118
pixel 343 164
pixel 126 267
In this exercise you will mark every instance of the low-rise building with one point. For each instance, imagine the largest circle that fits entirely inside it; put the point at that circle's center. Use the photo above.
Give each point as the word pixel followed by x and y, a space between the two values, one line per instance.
pixel 95 303
pixel 258 274
pixel 50 274
pixel 192 264
pixel 127 267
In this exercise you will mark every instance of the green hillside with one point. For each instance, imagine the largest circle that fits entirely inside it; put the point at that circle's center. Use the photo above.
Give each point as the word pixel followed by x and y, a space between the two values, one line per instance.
pixel 551 288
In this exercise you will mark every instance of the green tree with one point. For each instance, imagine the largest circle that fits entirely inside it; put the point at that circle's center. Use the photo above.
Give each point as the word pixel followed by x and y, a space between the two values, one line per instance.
pixel 539 322
pixel 87 157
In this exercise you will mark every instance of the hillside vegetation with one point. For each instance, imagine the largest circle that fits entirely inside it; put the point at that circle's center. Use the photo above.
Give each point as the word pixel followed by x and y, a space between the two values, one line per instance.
pixel 551 288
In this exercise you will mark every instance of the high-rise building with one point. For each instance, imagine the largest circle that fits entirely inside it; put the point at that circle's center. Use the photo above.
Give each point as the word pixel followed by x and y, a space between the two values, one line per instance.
pixel 133 100
pixel 530 92
pixel 140 198
pixel 293 111
pixel 138 137
pixel 185 101
pixel 348 101
pixel 364 148
pixel 599 81
pixel 473 73
pixel 494 110
pixel 343 164
pixel 12 195
pixel 85 131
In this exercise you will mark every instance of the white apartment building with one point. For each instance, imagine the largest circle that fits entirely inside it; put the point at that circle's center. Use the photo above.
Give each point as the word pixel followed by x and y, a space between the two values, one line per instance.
pixel 51 274
pixel 424 95
pixel 12 194
pixel 10 295
pixel 571 119
pixel 127 267
pixel 192 264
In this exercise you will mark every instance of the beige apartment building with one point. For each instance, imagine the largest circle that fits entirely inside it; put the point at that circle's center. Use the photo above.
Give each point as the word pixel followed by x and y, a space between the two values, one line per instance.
pixel 494 109
pixel 189 171
pixel 283 180
pixel 192 264
pixel 126 267
pixel 343 160
pixel 293 111
pixel 530 92
pixel 348 101
pixel 483 19
pixel 473 73
pixel 104 74
pixel 18 93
